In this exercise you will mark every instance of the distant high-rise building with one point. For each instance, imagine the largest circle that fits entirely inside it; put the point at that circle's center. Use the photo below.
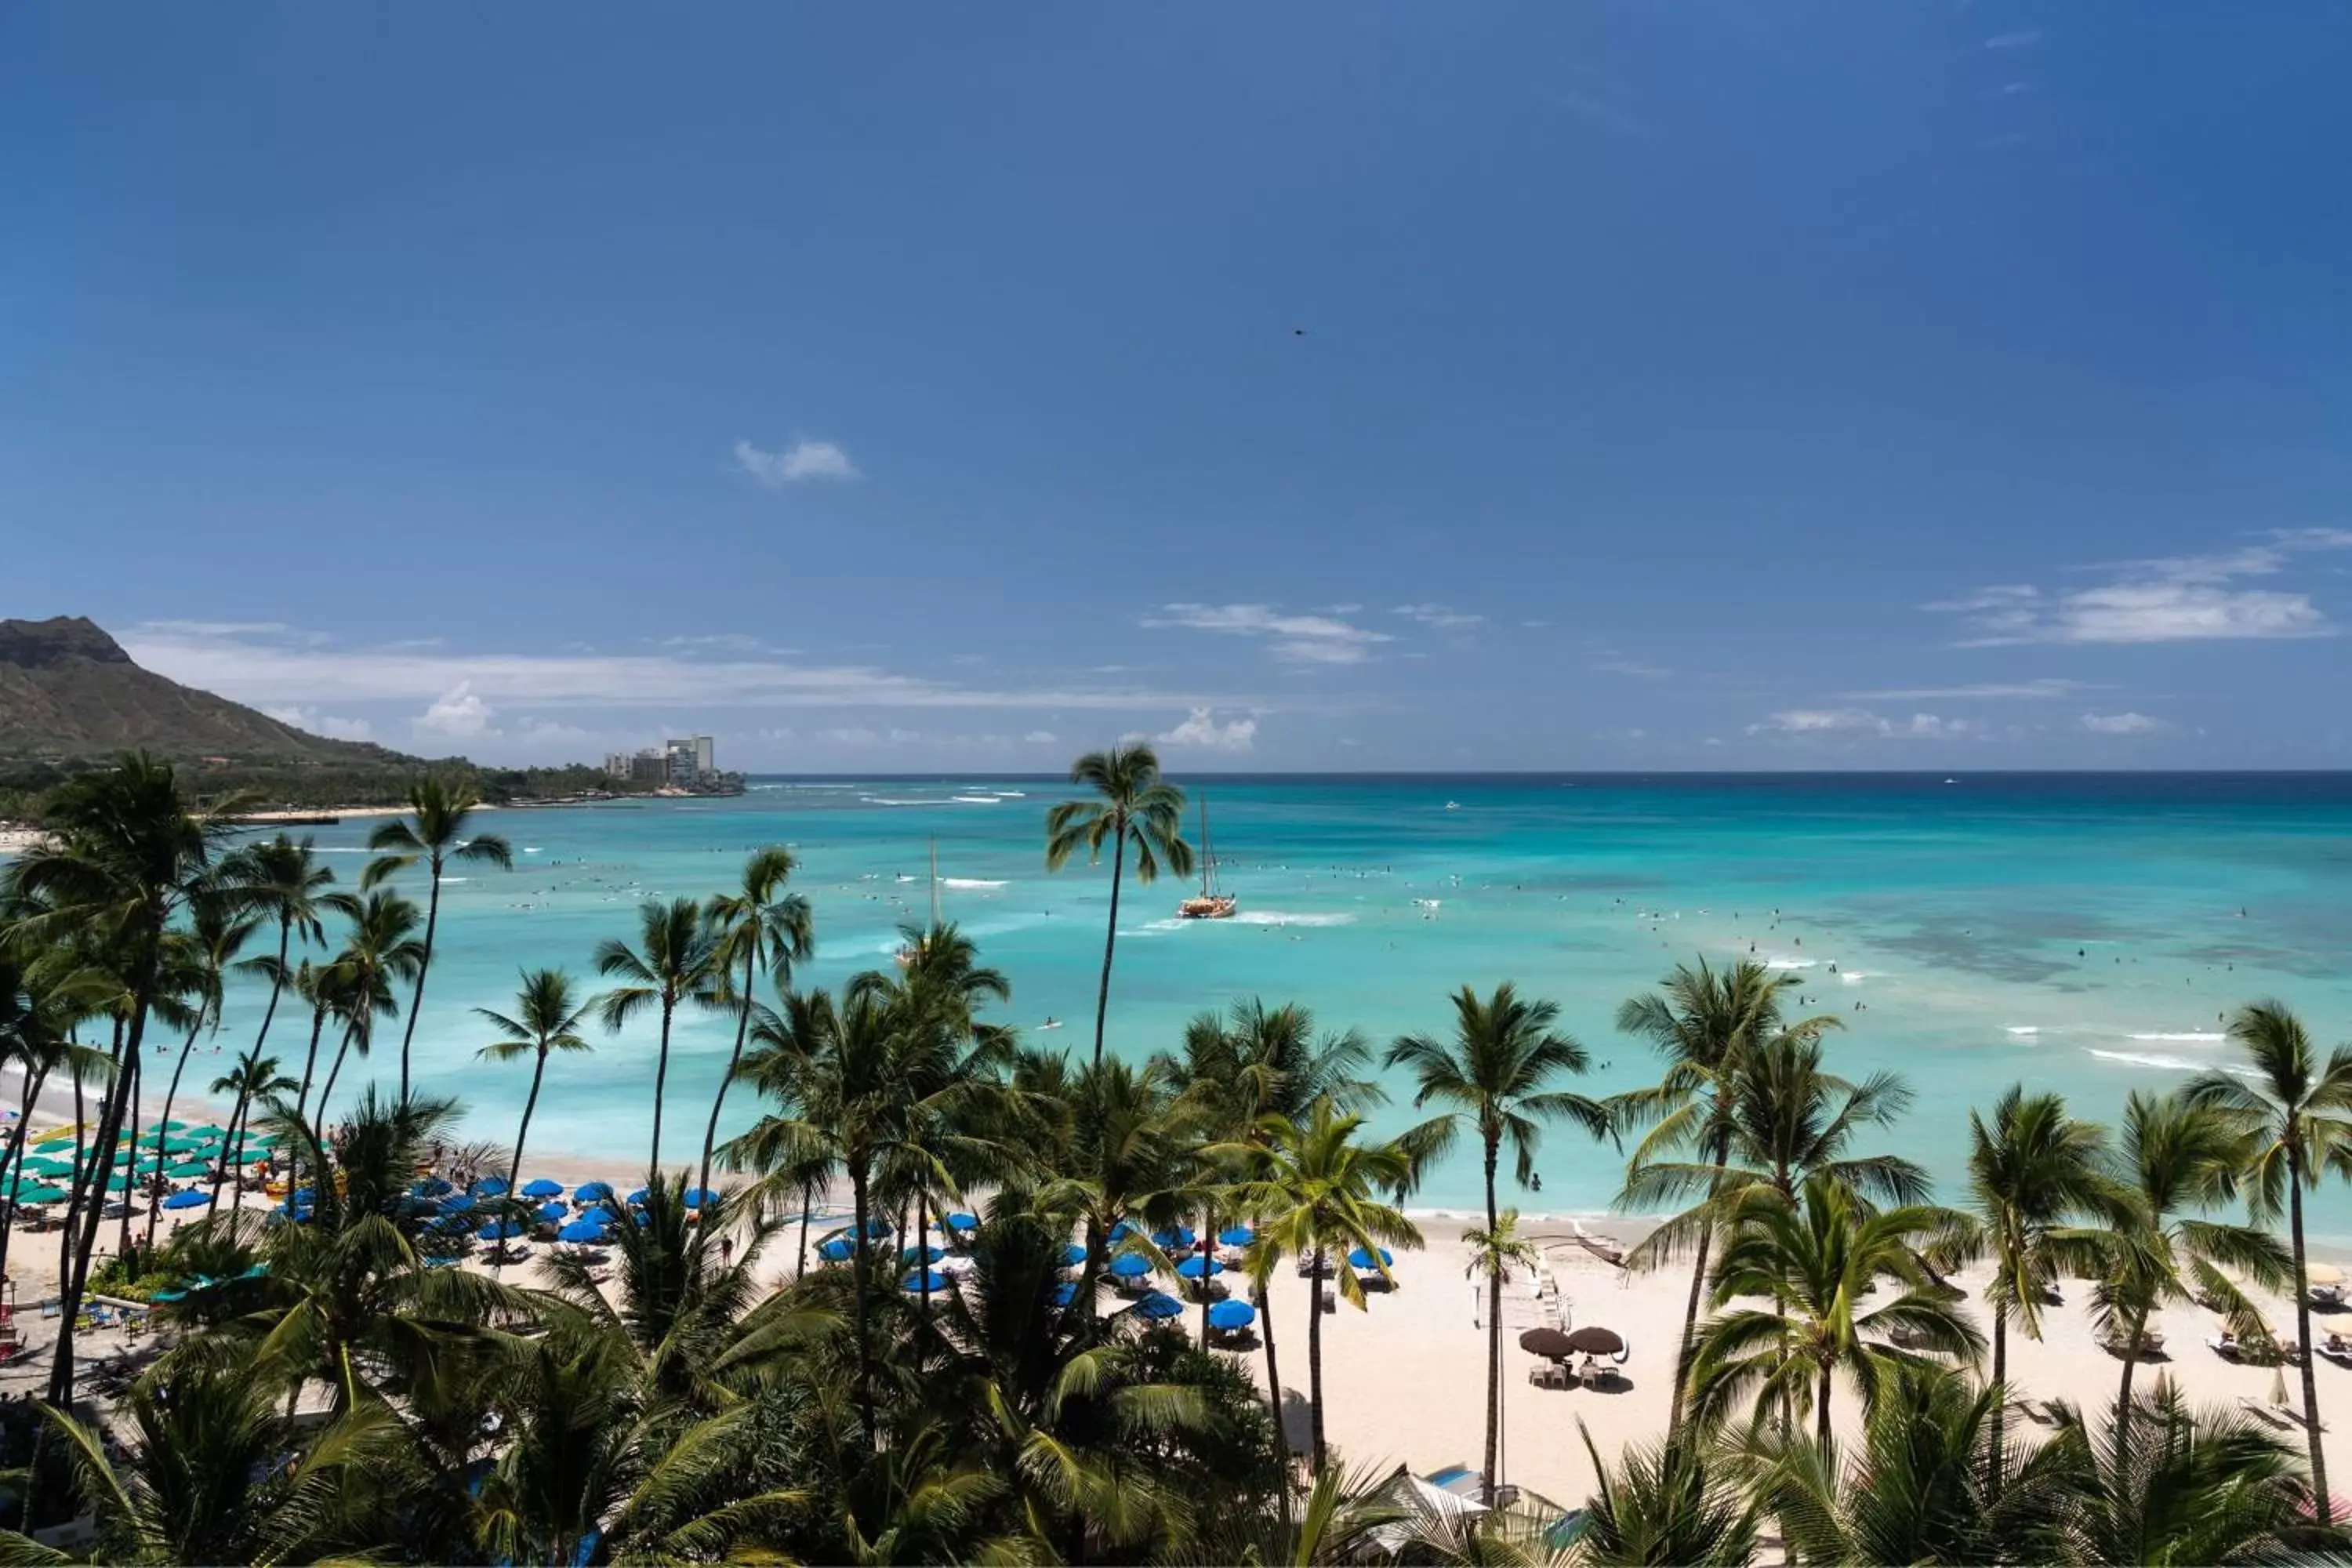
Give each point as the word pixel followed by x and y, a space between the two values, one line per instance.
pixel 619 765
pixel 650 766
pixel 691 759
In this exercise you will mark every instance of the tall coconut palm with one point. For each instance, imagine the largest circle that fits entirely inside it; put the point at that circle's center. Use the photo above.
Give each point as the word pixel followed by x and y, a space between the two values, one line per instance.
pixel 1495 1077
pixel 2180 1161
pixel 784 1066
pixel 670 966
pixel 217 932
pixel 546 1020
pixel 124 856
pixel 1705 1023
pixel 1132 808
pixel 435 833
pixel 759 925
pixel 381 950
pixel 254 1080
pixel 282 883
pixel 2042 1202
pixel 2299 1110
pixel 1316 1190
pixel 1818 1258
pixel 41 1003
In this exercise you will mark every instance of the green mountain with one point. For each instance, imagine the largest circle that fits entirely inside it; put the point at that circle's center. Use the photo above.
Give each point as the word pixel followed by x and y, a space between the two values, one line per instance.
pixel 68 693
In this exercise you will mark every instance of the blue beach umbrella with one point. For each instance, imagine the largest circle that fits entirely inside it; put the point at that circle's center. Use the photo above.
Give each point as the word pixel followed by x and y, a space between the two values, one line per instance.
pixel 1066 1293
pixel 1121 1231
pixel 924 1280
pixel 1199 1267
pixel 699 1198
pixel 640 1195
pixel 924 1253
pixel 1236 1236
pixel 963 1222
pixel 1359 1258
pixel 457 1203
pixel 1175 1237
pixel 432 1187
pixel 540 1187
pixel 1072 1254
pixel 187 1200
pixel 549 1214
pixel 499 1230
pixel 1130 1265
pixel 589 1192
pixel 1160 1305
pixel 836 1250
pixel 490 1187
pixel 876 1230
pixel 1232 1315
pixel 581 1230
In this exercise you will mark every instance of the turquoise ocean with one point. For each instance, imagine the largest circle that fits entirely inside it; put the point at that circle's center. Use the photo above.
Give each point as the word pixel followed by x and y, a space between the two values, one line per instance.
pixel 2080 934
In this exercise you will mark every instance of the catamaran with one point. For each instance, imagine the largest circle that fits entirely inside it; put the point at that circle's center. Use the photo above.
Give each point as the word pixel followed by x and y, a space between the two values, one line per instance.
pixel 1211 905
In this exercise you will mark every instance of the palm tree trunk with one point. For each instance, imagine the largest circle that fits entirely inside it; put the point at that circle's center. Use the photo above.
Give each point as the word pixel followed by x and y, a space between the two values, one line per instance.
pixel 1314 1360
pixel 923 1251
pixel 129 1165
pixel 1110 941
pixel 310 1061
pixel 2303 1337
pixel 1272 1371
pixel 109 1128
pixel 1822 1412
pixel 416 996
pixel 1493 1333
pixel 1208 1234
pixel 514 1172
pixel 800 1269
pixel 661 1082
pixel 857 1282
pixel 171 1092
pixel 327 1092
pixel 2124 1392
pixel 742 1031
pixel 80 1185
pixel 2000 1381
pixel 1698 1285
pixel 15 1151
pixel 232 1156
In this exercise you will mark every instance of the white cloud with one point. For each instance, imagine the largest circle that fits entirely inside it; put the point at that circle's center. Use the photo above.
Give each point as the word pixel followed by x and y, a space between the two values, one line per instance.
pixel 2024 39
pixel 801 460
pixel 327 724
pixel 2123 724
pixel 1439 618
pixel 2177 598
pixel 1612 664
pixel 1040 737
pixel 457 715
pixel 1857 722
pixel 1202 728
pixel 1301 639
pixel 2030 689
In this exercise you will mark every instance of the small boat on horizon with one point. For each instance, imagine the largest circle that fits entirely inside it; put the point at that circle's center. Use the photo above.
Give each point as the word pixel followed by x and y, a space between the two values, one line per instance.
pixel 1209 904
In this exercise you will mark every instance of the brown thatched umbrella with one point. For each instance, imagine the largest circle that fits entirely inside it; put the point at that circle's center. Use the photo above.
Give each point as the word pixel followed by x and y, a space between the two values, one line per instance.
pixel 1549 1343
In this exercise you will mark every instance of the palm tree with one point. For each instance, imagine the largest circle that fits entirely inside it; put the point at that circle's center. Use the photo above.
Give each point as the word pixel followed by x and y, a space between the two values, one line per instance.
pixel 380 950
pixel 41 1003
pixel 280 882
pixel 254 1080
pixel 1495 1077
pixel 1317 1190
pixel 546 1020
pixel 1705 1023
pixel 2178 1159
pixel 2300 1113
pixel 1133 807
pixel 757 925
pixel 217 934
pixel 433 833
pixel 673 963
pixel 1816 1258
pixel 125 855
pixel 1496 1255
pixel 2031 1172
pixel 1667 1504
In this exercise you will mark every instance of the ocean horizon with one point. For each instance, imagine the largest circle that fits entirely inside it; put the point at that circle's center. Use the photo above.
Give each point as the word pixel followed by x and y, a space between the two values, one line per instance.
pixel 2078 932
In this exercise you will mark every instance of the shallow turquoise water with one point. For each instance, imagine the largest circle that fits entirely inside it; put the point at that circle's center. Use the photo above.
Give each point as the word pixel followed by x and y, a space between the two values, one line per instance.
pixel 2080 934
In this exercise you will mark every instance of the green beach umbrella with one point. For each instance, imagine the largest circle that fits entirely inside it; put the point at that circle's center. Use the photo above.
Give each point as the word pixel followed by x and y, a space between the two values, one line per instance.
pixel 119 1185
pixel 41 1196
pixel 165 1126
pixel 49 1169
pixel 190 1168
pixel 209 1130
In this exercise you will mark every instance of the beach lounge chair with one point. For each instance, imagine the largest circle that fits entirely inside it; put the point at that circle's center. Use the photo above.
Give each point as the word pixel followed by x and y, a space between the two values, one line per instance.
pixel 2223 1345
pixel 2336 1348
pixel 2263 1410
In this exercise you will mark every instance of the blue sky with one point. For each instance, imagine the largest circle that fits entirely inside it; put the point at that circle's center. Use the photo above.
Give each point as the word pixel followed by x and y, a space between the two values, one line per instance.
pixel 1316 386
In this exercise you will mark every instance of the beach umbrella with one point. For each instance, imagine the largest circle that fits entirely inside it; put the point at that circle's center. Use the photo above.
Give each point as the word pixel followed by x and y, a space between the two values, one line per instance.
pixel 119 1185
pixel 498 1230
pixel 1066 1293
pixel 1549 1343
pixel 963 1222
pixel 836 1250
pixel 1121 1231
pixel 432 1187
pixel 589 1192
pixel 1200 1267
pixel 1160 1305
pixel 924 1280
pixel 1232 1315
pixel 698 1197
pixel 1594 1339
pixel 1130 1265
pixel 49 1167
pixel 490 1187
pixel 2323 1273
pixel 581 1230
pixel 166 1126
pixel 209 1130
pixel 41 1194
pixel 637 1198
pixel 542 1188
pixel 457 1203
pixel 1236 1236
pixel 189 1199
pixel 876 1230
pixel 1072 1254
pixel 1359 1258
pixel 187 1168
pixel 921 1254
pixel 1173 1239
pixel 550 1214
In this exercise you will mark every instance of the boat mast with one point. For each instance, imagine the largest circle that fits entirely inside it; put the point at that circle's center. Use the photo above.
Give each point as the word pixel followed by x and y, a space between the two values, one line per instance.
pixel 935 882
pixel 1208 856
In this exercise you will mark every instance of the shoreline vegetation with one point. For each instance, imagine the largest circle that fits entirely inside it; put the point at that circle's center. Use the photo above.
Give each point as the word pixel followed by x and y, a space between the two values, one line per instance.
pixel 953 1295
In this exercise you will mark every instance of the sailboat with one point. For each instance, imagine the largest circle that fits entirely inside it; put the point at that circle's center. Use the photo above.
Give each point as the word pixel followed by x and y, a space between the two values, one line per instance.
pixel 906 955
pixel 1211 905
